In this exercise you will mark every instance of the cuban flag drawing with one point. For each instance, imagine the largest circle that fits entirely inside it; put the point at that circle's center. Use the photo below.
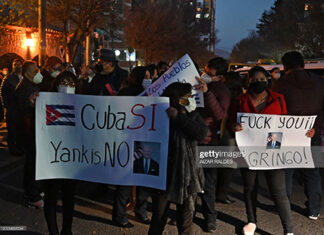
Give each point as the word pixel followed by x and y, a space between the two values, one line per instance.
pixel 60 115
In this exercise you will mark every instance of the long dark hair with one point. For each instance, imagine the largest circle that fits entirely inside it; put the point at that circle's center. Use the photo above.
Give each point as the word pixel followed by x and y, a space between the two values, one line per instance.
pixel 175 91
pixel 137 76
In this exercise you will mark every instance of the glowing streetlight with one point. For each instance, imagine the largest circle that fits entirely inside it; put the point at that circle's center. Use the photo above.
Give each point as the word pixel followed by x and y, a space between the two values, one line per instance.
pixel 29 42
pixel 117 52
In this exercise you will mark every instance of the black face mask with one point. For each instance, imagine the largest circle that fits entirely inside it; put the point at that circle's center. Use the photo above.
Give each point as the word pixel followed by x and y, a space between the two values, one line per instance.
pixel 258 87
pixel 98 68
pixel 17 70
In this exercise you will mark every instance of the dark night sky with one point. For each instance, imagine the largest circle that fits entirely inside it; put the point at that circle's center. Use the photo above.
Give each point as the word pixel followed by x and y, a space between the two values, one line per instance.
pixel 236 18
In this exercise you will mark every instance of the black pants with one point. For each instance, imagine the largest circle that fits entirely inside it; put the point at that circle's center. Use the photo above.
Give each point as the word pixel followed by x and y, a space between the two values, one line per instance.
pixel 224 180
pixel 276 183
pixel 121 199
pixel 11 137
pixel 160 206
pixel 31 186
pixel 209 195
pixel 52 188
pixel 312 181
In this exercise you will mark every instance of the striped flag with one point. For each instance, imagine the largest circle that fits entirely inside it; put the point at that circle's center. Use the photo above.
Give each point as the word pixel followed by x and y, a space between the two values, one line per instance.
pixel 60 115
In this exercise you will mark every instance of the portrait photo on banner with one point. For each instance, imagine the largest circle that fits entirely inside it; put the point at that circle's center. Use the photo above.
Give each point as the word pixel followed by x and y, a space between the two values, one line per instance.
pixel 274 140
pixel 146 158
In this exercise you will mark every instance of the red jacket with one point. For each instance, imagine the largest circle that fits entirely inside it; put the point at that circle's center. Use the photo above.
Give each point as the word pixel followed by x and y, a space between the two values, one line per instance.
pixel 276 104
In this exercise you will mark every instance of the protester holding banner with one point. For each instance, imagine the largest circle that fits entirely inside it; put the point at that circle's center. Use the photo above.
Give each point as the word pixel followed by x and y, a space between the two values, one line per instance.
pixel 64 83
pixel 259 99
pixel 184 179
pixel 217 101
pixel 304 94
pixel 134 87
pixel 23 113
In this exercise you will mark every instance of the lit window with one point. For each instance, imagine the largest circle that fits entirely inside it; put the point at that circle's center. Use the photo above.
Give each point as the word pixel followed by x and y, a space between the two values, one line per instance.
pixel 197 16
pixel 306 6
pixel 198 9
pixel 206 15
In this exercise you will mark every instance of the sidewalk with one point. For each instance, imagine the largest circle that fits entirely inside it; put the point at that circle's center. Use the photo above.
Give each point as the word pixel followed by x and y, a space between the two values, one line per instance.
pixel 7 161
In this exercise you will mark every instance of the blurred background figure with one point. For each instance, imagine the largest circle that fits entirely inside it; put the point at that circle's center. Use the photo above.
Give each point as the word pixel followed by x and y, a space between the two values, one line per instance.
pixel 274 77
pixel 8 87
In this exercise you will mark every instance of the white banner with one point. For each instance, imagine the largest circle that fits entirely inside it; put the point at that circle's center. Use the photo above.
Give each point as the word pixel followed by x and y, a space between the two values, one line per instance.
pixel 183 70
pixel 275 141
pixel 112 140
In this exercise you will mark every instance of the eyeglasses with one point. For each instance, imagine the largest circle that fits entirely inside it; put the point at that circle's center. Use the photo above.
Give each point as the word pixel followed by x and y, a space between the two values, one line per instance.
pixel 67 83
pixel 187 97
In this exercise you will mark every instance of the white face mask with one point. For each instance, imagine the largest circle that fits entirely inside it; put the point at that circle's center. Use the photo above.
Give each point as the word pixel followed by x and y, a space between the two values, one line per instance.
pixel 192 105
pixel 146 83
pixel 55 74
pixel 90 78
pixel 206 78
pixel 66 89
pixel 38 78
pixel 277 75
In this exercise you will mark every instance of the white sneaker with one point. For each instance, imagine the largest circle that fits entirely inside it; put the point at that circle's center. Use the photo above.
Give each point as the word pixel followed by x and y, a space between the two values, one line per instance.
pixel 313 217
pixel 289 233
pixel 249 229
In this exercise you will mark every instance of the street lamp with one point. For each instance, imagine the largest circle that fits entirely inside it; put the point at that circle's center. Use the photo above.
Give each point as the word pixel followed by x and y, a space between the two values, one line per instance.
pixel 29 42
pixel 117 52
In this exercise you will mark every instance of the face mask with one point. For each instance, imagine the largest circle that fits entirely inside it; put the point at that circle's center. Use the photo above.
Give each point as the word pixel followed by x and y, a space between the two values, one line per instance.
pixel 277 75
pixel 17 70
pixel 66 89
pixel 38 78
pixel 146 83
pixel 99 68
pixel 206 78
pixel 55 74
pixel 90 78
pixel 258 87
pixel 192 105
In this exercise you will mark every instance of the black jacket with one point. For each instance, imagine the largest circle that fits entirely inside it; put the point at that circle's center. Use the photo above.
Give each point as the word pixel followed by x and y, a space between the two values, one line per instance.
pixel 303 92
pixel 98 84
pixel 139 167
pixel 134 90
pixel 184 179
pixel 23 113
pixel 8 87
pixel 47 81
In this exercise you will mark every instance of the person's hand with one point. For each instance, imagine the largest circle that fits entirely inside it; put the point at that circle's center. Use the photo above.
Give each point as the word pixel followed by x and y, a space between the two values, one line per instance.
pixel 32 98
pixel 202 85
pixel 310 133
pixel 237 127
pixel 172 112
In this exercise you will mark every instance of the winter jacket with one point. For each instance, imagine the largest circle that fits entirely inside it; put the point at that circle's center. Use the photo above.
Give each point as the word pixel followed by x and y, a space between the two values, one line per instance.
pixel 98 85
pixel 184 179
pixel 276 104
pixel 304 94
pixel 8 87
pixel 217 101
pixel 23 113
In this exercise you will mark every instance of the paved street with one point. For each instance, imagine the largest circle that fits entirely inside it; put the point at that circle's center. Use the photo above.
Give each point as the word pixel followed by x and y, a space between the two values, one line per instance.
pixel 94 207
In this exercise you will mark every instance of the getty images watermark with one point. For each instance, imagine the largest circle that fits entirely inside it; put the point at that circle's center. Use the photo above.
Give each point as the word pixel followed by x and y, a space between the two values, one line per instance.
pixel 12 228
pixel 260 157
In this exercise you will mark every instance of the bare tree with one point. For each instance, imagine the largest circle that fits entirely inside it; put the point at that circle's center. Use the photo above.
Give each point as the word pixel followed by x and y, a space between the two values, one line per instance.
pixel 76 18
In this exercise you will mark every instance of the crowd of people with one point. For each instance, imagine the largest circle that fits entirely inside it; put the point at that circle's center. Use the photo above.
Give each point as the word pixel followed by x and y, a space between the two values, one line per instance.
pixel 294 92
